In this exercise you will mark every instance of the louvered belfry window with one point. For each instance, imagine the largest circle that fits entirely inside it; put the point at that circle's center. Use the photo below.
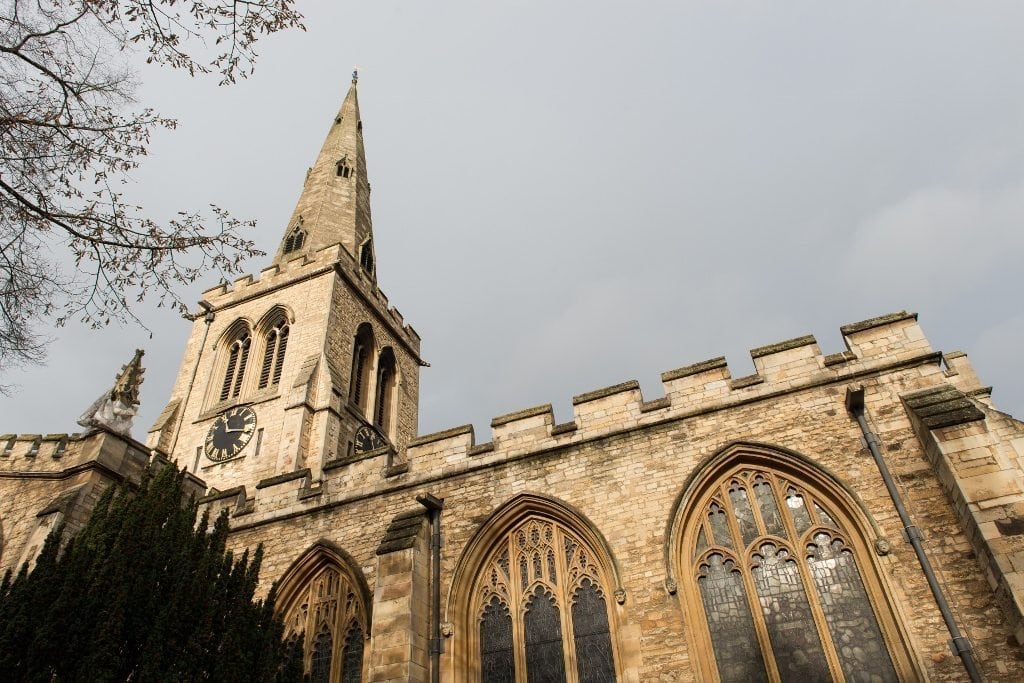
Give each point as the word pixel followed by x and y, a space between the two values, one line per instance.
pixel 326 616
pixel 238 355
pixel 273 355
pixel 543 610
pixel 780 587
pixel 385 390
pixel 361 377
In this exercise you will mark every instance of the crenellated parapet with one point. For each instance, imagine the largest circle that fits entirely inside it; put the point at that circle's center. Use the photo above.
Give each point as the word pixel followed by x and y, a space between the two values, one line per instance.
pixel 333 258
pixel 61 455
pixel 37 451
pixel 883 344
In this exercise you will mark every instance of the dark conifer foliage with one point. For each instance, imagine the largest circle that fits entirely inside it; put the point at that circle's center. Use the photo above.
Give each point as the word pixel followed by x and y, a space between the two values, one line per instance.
pixel 143 593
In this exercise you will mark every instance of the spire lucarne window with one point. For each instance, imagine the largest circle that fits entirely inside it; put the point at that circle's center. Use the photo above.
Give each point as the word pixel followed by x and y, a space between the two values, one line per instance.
pixel 295 239
pixel 779 586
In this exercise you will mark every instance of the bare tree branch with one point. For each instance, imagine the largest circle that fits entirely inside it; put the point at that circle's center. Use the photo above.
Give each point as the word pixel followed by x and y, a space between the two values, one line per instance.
pixel 70 134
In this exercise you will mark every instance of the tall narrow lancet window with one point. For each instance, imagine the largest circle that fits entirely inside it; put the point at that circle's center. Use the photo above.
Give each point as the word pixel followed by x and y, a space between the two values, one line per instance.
pixel 275 345
pixel 234 372
pixel 385 390
pixel 541 606
pixel 366 257
pixel 362 361
pixel 326 610
pixel 780 586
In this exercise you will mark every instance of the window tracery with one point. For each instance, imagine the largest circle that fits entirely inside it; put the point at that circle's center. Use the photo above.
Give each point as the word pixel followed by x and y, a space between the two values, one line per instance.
pixel 327 614
pixel 541 608
pixel 778 584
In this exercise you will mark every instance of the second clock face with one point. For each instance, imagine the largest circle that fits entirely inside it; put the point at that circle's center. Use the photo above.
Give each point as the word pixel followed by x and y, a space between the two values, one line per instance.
pixel 367 439
pixel 230 433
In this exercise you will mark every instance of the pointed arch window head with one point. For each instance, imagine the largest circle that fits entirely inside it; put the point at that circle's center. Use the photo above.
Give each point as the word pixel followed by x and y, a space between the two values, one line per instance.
pixel 362 361
pixel 238 356
pixel 275 345
pixel 778 586
pixel 295 239
pixel 541 608
pixel 327 612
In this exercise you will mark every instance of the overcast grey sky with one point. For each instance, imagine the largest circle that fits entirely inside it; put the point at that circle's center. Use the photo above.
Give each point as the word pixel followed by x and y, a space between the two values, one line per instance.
pixel 567 195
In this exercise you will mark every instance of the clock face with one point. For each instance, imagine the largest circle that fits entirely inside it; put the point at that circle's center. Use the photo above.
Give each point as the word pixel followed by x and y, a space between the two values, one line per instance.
pixel 229 433
pixel 367 439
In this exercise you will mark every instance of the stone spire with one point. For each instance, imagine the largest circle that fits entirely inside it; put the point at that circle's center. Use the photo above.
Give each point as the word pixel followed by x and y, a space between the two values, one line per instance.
pixel 335 203
pixel 115 408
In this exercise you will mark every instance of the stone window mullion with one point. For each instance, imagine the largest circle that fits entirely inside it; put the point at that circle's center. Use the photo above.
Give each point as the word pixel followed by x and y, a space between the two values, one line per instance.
pixel 568 632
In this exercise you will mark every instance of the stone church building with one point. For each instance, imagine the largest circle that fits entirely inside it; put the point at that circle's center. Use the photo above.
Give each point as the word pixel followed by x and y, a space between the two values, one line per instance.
pixel 857 516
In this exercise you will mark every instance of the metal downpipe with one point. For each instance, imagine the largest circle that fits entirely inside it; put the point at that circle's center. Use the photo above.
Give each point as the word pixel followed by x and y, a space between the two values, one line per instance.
pixel 434 505
pixel 960 644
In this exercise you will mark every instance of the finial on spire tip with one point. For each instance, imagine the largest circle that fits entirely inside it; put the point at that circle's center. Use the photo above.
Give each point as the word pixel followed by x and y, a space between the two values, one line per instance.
pixel 355 76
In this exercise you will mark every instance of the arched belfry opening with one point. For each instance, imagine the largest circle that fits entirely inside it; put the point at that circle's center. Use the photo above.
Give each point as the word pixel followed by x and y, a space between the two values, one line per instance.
pixel 777 575
pixel 363 357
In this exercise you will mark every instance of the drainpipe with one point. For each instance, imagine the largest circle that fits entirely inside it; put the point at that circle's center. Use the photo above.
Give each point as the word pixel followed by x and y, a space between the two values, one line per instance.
pixel 434 506
pixel 958 643
pixel 207 318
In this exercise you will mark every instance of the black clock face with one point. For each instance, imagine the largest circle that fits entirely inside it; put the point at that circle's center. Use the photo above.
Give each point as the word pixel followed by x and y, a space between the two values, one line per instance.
pixel 367 439
pixel 229 433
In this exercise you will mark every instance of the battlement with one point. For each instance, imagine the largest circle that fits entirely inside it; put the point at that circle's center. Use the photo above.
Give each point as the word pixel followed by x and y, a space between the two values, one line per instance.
pixel 883 344
pixel 333 258
pixel 36 454
pixel 20 447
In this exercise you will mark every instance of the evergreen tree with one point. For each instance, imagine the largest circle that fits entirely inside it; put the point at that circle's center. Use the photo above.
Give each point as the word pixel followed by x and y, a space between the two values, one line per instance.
pixel 143 593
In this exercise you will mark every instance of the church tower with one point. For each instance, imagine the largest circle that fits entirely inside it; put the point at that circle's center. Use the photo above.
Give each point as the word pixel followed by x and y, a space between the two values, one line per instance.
pixel 305 367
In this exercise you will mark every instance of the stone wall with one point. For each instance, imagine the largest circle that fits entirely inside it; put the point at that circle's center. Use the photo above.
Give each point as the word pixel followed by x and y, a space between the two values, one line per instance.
pixel 623 462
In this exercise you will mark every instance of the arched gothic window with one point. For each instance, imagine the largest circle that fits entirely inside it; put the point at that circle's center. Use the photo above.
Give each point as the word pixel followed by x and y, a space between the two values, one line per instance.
pixel 778 584
pixel 234 372
pixel 362 360
pixel 385 392
pixel 541 608
pixel 275 345
pixel 327 611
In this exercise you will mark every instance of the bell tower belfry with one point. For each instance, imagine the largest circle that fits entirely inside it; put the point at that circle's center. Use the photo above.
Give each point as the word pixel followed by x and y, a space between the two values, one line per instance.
pixel 305 366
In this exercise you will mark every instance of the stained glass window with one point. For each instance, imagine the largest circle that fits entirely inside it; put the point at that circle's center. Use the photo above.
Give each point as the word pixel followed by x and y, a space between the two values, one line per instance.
pixel 593 640
pixel 320 662
pixel 543 603
pixel 497 664
pixel 545 659
pixel 794 610
pixel 352 655
pixel 329 609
